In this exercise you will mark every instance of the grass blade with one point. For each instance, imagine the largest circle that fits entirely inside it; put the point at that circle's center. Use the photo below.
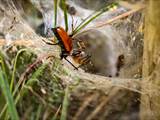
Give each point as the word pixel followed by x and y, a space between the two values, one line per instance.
pixel 55 12
pixel 29 83
pixel 2 63
pixel 5 88
pixel 92 17
pixel 17 85
pixel 65 14
pixel 39 112
pixel 14 68
pixel 65 105
pixel 56 114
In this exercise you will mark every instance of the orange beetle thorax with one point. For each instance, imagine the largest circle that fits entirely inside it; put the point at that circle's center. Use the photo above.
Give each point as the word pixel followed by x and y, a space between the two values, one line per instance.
pixel 64 38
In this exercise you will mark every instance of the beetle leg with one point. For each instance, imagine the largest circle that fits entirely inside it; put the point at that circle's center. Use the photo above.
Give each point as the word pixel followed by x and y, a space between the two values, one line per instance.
pixel 64 55
pixel 71 63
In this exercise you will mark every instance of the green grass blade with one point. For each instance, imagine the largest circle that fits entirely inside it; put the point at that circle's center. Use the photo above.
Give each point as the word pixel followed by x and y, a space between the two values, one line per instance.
pixel 92 17
pixel 38 112
pixel 55 12
pixel 18 84
pixel 85 19
pixel 65 104
pixel 3 110
pixel 2 63
pixel 56 114
pixel 30 82
pixel 5 88
pixel 14 68
pixel 3 67
pixel 65 14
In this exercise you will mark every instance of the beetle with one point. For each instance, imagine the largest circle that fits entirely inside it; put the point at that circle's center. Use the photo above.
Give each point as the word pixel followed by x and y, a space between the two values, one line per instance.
pixel 65 42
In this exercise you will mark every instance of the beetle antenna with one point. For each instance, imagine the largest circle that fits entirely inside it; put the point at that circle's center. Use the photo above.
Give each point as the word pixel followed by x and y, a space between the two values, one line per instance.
pixel 71 63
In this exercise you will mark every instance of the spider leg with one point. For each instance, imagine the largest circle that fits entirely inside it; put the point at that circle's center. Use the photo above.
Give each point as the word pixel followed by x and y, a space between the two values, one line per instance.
pixel 76 53
pixel 85 60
